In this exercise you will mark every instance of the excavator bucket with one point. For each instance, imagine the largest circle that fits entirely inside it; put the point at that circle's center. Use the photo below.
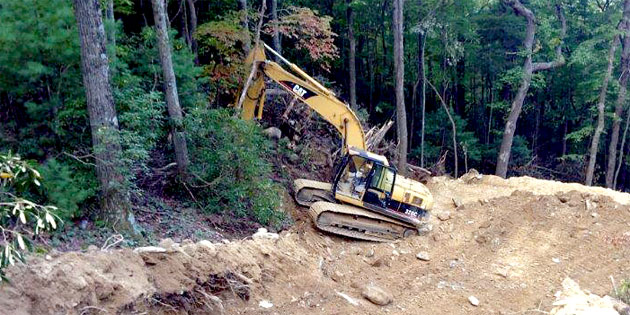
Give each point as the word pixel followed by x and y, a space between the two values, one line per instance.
pixel 255 96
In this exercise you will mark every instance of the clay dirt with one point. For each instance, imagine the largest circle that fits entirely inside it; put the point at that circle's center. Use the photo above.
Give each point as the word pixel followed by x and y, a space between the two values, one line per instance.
pixel 506 245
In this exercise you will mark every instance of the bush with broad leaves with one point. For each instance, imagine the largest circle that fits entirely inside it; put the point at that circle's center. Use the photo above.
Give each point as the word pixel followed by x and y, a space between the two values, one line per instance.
pixel 20 218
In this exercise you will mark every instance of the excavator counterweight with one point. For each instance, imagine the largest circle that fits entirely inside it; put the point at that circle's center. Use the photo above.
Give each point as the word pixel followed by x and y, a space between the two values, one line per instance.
pixel 367 198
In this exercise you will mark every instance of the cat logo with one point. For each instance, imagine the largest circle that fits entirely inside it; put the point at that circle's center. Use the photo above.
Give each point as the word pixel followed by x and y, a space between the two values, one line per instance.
pixel 299 90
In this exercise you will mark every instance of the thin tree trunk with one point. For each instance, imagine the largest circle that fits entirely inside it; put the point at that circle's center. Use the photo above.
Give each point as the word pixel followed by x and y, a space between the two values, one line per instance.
pixel 601 106
pixel 423 93
pixel 352 51
pixel 371 57
pixel 102 112
pixel 622 149
pixel 399 66
pixel 170 87
pixel 624 26
pixel 276 35
pixel 111 33
pixel 183 21
pixel 422 79
pixel 414 92
pixel 529 68
pixel 193 28
pixel 453 126
pixel 242 6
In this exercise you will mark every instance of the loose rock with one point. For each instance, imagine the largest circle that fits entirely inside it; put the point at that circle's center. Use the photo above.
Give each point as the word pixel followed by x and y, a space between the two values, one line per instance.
pixel 273 133
pixel 265 304
pixel 473 300
pixel 262 233
pixel 424 256
pixel 377 295
pixel 444 216
pixel 149 249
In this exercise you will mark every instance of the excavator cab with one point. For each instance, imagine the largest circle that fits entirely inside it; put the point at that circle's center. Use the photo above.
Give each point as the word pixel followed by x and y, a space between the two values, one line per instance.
pixel 364 178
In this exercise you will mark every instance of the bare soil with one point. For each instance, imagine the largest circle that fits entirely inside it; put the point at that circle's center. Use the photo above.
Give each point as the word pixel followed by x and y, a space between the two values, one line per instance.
pixel 509 243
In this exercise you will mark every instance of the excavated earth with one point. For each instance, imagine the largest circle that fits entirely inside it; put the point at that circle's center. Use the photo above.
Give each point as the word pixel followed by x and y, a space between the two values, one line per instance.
pixel 509 243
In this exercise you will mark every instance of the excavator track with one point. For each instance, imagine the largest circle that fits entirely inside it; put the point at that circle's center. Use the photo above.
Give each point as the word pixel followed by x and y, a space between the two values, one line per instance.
pixel 357 223
pixel 309 191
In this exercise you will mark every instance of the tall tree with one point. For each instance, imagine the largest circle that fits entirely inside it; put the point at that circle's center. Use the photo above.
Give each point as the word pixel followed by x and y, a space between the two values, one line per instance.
pixel 399 68
pixel 242 7
pixel 170 87
pixel 529 68
pixel 102 112
pixel 111 33
pixel 422 80
pixel 276 34
pixel 352 51
pixel 193 27
pixel 624 27
pixel 601 106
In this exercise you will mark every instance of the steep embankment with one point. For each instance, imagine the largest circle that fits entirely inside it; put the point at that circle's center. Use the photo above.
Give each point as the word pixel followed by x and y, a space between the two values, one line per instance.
pixel 509 243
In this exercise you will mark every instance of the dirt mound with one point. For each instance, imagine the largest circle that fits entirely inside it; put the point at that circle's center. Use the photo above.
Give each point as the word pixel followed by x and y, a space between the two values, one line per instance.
pixel 508 243
pixel 573 300
pixel 191 276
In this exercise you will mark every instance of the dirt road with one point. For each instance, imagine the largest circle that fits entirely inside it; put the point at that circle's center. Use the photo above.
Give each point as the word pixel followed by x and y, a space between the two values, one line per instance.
pixel 509 243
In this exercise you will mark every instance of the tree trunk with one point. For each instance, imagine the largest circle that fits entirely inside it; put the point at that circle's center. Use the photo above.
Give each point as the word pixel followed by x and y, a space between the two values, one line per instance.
pixel 242 6
pixel 170 87
pixel 529 68
pixel 276 35
pixel 601 106
pixel 111 33
pixel 423 96
pixel 102 112
pixel 399 67
pixel 193 27
pixel 622 149
pixel 624 26
pixel 352 56
pixel 453 126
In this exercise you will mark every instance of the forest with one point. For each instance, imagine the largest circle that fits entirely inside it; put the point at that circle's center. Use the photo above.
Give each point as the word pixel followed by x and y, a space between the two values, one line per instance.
pixel 112 107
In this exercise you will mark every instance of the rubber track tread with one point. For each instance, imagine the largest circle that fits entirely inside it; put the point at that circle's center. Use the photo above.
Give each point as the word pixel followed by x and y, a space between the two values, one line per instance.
pixel 300 184
pixel 320 207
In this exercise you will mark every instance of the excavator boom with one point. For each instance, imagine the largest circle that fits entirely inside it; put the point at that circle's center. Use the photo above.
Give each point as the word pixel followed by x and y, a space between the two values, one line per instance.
pixel 306 89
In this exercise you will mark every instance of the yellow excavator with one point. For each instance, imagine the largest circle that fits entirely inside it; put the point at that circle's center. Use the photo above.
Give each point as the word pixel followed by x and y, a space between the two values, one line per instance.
pixel 367 198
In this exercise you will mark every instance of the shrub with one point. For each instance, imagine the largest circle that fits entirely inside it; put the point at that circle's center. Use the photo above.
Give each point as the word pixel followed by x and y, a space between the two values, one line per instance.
pixel 68 187
pixel 623 292
pixel 230 167
pixel 19 217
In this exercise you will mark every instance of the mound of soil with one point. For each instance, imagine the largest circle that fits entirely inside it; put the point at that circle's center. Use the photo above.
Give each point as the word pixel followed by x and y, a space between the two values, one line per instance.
pixel 507 243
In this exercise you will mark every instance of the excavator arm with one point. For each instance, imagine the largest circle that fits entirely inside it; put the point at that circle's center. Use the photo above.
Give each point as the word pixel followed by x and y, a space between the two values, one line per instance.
pixel 306 89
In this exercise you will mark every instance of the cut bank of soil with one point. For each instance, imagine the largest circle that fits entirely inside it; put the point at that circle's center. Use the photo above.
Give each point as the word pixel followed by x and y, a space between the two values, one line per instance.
pixel 510 243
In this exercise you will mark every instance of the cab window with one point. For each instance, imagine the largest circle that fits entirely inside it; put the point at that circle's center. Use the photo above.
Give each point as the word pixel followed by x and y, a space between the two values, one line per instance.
pixel 383 179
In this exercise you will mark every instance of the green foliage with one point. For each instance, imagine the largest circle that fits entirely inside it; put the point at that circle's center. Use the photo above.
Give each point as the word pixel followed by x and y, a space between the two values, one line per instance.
pixel 20 218
pixel 623 292
pixel 68 186
pixel 221 48
pixel 230 165
pixel 438 138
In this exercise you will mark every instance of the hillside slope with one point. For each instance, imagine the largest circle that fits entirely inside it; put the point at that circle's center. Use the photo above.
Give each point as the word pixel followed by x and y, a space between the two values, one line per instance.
pixel 510 243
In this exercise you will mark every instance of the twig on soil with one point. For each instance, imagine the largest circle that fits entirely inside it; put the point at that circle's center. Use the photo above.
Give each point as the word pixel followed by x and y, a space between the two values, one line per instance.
pixel 117 239
pixel 164 304
pixel 85 310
